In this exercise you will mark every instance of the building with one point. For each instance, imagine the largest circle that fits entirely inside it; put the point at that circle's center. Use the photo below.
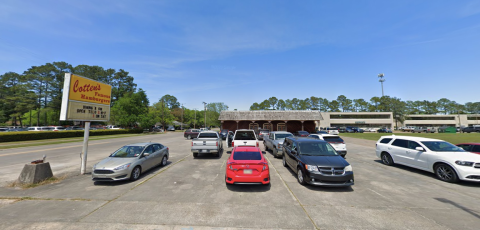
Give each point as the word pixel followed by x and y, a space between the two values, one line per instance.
pixel 454 120
pixel 307 120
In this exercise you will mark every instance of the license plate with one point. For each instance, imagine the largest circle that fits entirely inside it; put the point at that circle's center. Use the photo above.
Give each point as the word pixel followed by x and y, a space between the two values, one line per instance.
pixel 247 171
pixel 204 151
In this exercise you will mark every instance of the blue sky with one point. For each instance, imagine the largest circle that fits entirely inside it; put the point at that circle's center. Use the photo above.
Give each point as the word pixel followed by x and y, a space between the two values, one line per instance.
pixel 241 52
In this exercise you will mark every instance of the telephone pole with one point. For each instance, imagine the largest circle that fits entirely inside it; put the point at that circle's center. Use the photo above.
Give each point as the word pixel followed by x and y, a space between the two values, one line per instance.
pixel 205 112
pixel 381 80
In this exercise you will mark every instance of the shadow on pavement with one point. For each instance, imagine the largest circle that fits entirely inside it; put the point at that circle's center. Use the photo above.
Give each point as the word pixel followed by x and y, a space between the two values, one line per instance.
pixel 248 188
pixel 123 182
pixel 469 211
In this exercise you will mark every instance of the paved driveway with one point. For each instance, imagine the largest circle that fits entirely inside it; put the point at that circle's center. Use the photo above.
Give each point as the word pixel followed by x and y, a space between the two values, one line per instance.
pixel 191 193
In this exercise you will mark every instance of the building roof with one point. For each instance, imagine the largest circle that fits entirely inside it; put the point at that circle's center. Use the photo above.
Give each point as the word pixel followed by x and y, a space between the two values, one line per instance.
pixel 270 115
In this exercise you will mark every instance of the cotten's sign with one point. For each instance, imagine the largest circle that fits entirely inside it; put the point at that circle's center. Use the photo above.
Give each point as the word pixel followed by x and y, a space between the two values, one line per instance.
pixel 85 99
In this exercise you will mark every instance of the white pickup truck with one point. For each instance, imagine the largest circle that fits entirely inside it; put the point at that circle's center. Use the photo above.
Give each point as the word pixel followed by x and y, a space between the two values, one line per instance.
pixel 244 137
pixel 207 142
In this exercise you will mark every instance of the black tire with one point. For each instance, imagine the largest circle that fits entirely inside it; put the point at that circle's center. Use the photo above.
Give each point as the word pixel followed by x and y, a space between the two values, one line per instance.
pixel 300 177
pixel 446 173
pixel 275 153
pixel 266 148
pixel 164 161
pixel 195 155
pixel 387 159
pixel 284 161
pixel 189 137
pixel 136 172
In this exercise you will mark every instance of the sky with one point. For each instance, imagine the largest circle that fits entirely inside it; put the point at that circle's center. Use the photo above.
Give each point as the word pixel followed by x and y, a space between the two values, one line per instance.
pixel 239 52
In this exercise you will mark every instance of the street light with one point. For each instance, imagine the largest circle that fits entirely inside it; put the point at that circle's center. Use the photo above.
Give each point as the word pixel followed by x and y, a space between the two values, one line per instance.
pixel 381 75
pixel 205 111
pixel 181 125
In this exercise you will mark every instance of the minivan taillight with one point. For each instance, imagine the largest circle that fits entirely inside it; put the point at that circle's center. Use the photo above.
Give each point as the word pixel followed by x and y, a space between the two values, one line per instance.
pixel 233 144
pixel 192 143
pixel 257 143
pixel 216 143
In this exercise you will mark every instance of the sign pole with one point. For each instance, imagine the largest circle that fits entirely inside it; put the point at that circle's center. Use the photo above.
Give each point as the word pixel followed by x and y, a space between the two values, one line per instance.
pixel 85 147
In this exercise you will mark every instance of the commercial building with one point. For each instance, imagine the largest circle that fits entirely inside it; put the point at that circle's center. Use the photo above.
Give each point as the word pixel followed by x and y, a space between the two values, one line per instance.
pixel 307 120
pixel 455 120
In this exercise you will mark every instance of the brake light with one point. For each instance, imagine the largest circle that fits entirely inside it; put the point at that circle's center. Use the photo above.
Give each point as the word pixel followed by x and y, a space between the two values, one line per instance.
pixel 192 143
pixel 233 144
pixel 257 143
pixel 216 143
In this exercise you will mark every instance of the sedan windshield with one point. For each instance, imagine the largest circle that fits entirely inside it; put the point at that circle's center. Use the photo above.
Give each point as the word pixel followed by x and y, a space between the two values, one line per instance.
pixel 128 151
pixel 317 149
pixel 442 146
pixel 282 136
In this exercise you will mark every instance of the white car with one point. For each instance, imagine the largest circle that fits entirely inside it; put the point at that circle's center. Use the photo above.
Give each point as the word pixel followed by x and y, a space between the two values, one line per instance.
pixel 334 140
pixel 333 131
pixel 40 128
pixel 449 162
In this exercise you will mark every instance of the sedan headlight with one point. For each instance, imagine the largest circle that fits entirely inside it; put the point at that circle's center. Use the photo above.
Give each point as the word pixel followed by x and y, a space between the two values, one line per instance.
pixel 464 163
pixel 348 168
pixel 94 166
pixel 123 167
pixel 311 168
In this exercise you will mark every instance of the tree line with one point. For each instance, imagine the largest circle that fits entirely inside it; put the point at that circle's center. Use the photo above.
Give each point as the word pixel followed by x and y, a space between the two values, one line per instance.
pixel 34 97
pixel 395 105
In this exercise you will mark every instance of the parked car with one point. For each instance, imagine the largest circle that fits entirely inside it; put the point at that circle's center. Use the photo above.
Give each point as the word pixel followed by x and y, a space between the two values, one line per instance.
pixel 322 132
pixel 424 130
pixel 130 161
pixel 191 133
pixel 4 129
pixel 229 139
pixel 301 134
pixel 58 128
pixel 224 134
pixel 470 147
pixel 408 128
pixel 171 128
pixel 262 133
pixel 332 130
pixel 447 161
pixel 38 128
pixel 74 128
pixel 244 137
pixel 471 129
pixel 384 130
pixel 207 142
pixel 334 140
pixel 274 141
pixel 112 127
pixel 247 165
pixel 316 162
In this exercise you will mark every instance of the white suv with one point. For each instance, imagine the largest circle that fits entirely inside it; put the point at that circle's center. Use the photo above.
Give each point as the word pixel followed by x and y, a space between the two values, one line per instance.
pixel 334 140
pixel 449 162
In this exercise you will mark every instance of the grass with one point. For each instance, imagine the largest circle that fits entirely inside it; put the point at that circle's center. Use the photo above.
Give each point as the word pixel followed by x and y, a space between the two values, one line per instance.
pixel 51 180
pixel 454 138
pixel 18 144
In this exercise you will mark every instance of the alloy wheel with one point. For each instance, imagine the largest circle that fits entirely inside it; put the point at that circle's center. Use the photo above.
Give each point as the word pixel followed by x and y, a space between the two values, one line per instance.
pixel 445 173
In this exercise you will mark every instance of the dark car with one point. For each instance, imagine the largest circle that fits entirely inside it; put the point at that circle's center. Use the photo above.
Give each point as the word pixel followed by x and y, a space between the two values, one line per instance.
pixel 316 162
pixel 355 129
pixel 471 130
pixel 263 132
pixel 301 134
pixel 471 147
pixel 191 133
pixel 384 130
pixel 322 132
pixel 224 134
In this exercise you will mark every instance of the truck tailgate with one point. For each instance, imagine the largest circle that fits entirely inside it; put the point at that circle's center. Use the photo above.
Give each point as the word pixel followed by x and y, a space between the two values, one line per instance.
pixel 245 143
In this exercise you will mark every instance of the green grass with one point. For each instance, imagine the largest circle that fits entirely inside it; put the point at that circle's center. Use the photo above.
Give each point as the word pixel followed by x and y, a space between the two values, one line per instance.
pixel 18 144
pixel 454 138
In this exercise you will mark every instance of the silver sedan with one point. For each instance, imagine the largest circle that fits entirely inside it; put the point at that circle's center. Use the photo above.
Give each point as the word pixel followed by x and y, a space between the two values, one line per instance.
pixel 130 161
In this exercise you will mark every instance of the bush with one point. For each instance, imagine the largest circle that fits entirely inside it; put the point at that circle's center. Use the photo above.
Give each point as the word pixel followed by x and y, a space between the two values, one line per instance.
pixel 28 136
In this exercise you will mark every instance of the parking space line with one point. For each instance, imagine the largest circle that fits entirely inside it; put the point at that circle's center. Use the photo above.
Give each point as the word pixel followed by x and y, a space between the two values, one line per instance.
pixel 292 194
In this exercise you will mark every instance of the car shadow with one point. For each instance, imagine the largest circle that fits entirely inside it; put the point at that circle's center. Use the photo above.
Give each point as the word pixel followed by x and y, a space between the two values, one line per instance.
pixel 248 187
pixel 209 156
pixel 127 181
pixel 429 174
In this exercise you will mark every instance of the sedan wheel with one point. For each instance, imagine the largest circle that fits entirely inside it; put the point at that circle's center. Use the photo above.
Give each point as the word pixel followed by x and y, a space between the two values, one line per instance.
pixel 446 173
pixel 284 161
pixel 164 161
pixel 300 178
pixel 135 173
pixel 275 152
pixel 189 137
pixel 387 159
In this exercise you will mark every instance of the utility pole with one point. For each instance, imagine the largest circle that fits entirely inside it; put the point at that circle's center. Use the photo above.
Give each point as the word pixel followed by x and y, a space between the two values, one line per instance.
pixel 181 125
pixel 205 111
pixel 163 115
pixel 381 75
pixel 195 118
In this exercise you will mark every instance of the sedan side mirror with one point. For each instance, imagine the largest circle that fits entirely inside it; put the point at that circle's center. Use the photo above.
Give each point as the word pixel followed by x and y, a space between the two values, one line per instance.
pixel 420 149
pixel 146 154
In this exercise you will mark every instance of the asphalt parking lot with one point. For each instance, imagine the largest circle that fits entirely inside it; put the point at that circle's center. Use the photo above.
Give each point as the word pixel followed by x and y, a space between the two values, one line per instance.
pixel 191 193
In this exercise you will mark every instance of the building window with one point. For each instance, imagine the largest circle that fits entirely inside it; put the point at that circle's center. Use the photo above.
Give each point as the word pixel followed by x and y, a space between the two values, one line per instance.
pixel 253 126
pixel 430 118
pixel 360 116
pixel 281 127
pixel 473 118
pixel 267 126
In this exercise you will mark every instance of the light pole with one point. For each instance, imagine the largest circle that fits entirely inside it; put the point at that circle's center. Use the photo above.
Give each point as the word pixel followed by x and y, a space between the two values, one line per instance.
pixel 205 111
pixel 195 118
pixel 181 125
pixel 381 75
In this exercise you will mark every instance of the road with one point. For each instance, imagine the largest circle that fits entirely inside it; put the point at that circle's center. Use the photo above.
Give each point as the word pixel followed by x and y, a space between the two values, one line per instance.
pixel 191 193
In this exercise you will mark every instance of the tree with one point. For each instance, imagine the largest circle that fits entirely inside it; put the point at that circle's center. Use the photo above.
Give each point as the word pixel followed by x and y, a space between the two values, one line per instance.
pixel 273 102
pixel 442 104
pixel 344 103
pixel 162 114
pixel 170 101
pixel 323 104
pixel 314 103
pixel 333 106
pixel 375 101
pixel 281 104
pixel 255 106
pixel 131 109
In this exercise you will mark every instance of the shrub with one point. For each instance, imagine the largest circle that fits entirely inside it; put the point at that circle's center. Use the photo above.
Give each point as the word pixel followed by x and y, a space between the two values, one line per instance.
pixel 28 136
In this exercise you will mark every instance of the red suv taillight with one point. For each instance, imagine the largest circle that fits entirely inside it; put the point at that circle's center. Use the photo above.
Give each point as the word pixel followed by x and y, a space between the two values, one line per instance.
pixel 257 143
pixel 233 144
